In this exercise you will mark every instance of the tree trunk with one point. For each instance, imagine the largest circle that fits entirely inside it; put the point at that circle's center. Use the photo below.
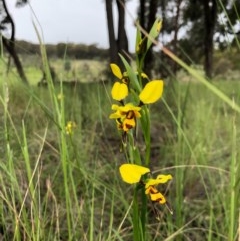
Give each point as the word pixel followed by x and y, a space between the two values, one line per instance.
pixel 142 21
pixel 149 60
pixel 11 50
pixel 113 50
pixel 210 16
pixel 10 45
pixel 122 36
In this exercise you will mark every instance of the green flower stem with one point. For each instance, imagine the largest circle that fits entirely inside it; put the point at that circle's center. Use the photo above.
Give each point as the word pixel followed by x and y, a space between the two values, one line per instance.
pixel 145 122
pixel 234 185
pixel 139 215
pixel 143 213
pixel 136 233
pixel 139 218
pixel 140 212
pixel 131 74
pixel 65 163
pixel 139 69
pixel 133 152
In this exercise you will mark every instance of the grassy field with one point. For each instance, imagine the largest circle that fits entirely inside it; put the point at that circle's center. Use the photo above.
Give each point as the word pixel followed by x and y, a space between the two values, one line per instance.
pixel 55 186
pixel 76 70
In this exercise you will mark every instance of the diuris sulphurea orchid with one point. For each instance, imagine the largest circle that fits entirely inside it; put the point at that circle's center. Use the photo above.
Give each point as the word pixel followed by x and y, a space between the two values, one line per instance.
pixel 132 174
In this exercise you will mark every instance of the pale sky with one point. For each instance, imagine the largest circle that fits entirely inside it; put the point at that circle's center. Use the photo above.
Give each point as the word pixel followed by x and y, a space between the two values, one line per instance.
pixel 77 21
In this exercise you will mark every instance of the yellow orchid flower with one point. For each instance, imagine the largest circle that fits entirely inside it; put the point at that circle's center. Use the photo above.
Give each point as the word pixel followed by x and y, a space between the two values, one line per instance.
pixel 132 173
pixel 150 189
pixel 126 116
pixel 119 90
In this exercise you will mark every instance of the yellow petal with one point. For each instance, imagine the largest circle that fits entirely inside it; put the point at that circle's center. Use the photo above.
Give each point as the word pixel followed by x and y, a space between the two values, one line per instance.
pixel 128 107
pixel 116 71
pixel 151 92
pixel 158 197
pixel 115 107
pixel 158 180
pixel 137 114
pixel 115 115
pixel 132 173
pixel 119 91
pixel 129 124
pixel 155 195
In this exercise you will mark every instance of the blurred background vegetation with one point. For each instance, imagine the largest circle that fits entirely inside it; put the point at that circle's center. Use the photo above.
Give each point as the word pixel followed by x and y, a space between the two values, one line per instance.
pixel 202 33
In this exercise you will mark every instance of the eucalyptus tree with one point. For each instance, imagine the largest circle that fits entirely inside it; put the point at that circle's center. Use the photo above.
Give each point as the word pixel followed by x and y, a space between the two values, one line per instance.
pixel 117 44
pixel 171 12
pixel 195 26
pixel 7 33
pixel 213 20
pixel 147 14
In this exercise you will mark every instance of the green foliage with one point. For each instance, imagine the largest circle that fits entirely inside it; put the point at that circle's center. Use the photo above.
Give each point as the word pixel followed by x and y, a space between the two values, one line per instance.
pixel 73 51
